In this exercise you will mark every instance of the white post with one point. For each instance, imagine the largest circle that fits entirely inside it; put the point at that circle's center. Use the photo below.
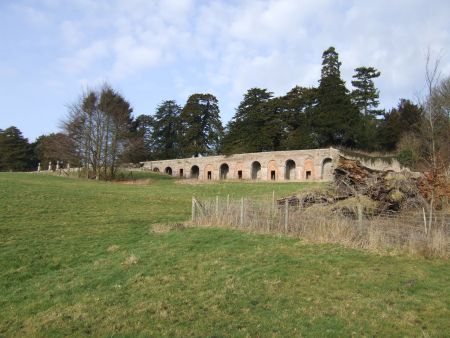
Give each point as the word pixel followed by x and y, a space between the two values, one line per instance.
pixel 49 166
pixel 39 167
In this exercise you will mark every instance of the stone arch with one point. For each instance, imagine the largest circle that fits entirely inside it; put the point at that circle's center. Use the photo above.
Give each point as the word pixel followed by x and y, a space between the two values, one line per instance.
pixel 208 172
pixel 223 171
pixel 239 171
pixel 327 168
pixel 309 169
pixel 289 173
pixel 168 171
pixel 256 170
pixel 156 169
pixel 273 173
pixel 195 172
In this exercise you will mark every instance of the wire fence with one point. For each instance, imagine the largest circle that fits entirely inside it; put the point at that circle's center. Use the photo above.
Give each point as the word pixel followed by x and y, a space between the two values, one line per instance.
pixel 417 231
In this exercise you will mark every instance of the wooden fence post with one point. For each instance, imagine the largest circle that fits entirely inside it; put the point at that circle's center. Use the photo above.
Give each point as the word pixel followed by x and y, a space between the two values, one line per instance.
pixel 360 216
pixel 193 208
pixel 242 211
pixel 228 202
pixel 286 214
pixel 217 206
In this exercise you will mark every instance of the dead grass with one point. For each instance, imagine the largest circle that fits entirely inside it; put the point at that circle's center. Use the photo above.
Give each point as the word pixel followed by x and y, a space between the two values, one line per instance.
pixel 162 228
pixel 113 248
pixel 131 260
pixel 386 234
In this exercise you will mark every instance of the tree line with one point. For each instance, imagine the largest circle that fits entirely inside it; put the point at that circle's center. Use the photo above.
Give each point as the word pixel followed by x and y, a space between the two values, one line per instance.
pixel 99 131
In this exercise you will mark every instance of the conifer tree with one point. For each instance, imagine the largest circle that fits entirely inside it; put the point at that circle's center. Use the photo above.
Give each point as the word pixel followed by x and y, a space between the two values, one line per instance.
pixel 15 151
pixel 166 142
pixel 202 129
pixel 365 96
pixel 336 120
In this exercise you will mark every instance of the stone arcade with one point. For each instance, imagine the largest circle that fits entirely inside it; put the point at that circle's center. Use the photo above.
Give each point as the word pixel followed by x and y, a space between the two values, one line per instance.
pixel 292 165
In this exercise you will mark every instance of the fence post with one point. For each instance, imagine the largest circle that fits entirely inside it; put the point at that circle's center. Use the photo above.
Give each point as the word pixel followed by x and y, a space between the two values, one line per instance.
pixel 193 208
pixel 228 202
pixel 217 206
pixel 242 211
pixel 286 214
pixel 360 216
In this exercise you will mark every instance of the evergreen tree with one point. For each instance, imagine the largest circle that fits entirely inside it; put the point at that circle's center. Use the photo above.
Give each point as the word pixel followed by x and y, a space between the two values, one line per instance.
pixel 201 125
pixel 406 118
pixel 336 120
pixel 166 141
pixel 298 106
pixel 254 127
pixel 365 96
pixel 15 151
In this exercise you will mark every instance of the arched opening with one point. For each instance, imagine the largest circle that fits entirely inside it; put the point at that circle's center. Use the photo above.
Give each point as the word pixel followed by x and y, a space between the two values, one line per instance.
pixel 272 171
pixel 309 169
pixel 256 170
pixel 224 169
pixel 168 171
pixel 156 169
pixel 327 169
pixel 290 170
pixel 195 172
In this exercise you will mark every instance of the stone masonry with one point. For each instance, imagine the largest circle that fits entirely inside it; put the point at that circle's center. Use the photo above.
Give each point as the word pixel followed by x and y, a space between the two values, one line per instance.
pixel 292 165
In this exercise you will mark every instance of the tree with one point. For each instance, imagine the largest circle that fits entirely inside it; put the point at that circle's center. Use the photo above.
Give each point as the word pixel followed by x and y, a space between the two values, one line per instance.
pixel 254 124
pixel 405 118
pixel 15 151
pixel 298 107
pixel 336 120
pixel 365 96
pixel 138 146
pixel 166 138
pixel 201 125
pixel 99 124
pixel 55 147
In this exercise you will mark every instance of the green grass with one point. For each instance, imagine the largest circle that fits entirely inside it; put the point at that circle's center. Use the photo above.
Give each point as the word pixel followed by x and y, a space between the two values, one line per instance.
pixel 58 278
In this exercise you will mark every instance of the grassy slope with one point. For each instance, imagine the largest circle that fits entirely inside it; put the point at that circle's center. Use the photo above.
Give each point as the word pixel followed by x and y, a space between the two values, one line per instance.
pixel 58 278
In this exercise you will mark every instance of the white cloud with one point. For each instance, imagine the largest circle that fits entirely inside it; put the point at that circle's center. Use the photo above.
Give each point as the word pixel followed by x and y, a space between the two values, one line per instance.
pixel 84 58
pixel 71 33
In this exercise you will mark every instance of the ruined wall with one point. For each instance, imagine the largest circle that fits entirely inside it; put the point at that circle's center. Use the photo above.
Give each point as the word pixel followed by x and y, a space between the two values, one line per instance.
pixel 292 165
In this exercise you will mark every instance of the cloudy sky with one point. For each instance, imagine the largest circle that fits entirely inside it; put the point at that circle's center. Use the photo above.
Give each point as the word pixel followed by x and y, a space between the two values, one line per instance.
pixel 152 51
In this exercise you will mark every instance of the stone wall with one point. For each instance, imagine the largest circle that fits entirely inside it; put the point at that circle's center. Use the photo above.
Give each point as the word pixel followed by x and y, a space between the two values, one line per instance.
pixel 292 165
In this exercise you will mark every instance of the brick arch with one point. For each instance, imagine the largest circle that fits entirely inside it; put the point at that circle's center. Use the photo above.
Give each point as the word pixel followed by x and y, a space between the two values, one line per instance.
pixel 308 168
pixel 273 172
pixel 209 172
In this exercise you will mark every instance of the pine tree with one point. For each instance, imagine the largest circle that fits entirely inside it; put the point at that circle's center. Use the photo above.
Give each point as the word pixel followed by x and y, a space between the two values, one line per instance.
pixel 255 125
pixel 201 126
pixel 336 120
pixel 166 141
pixel 365 96
pixel 15 151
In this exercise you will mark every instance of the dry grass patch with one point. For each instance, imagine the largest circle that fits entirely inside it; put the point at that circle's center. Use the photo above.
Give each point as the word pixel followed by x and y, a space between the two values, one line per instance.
pixel 113 248
pixel 162 228
pixel 131 260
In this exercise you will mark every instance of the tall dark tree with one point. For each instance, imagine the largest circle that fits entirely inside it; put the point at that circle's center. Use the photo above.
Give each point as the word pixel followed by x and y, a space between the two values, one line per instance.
pixel 365 95
pixel 15 151
pixel 254 125
pixel 166 137
pixel 139 147
pixel 407 117
pixel 336 120
pixel 298 107
pixel 201 125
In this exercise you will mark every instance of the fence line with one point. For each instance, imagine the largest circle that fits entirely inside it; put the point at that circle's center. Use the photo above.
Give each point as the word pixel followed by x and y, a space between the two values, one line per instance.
pixel 353 225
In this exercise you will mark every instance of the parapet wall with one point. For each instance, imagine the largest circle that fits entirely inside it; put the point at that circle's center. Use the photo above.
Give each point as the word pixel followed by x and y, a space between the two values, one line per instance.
pixel 292 165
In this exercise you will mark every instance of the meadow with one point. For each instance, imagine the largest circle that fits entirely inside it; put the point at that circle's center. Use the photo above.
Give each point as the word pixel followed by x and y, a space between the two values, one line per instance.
pixel 81 258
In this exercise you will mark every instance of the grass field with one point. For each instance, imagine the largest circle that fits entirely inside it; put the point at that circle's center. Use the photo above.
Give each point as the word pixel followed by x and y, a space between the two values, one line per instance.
pixel 80 258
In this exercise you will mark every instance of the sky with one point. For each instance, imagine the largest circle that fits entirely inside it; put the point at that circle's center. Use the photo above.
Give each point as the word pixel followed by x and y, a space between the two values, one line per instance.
pixel 53 50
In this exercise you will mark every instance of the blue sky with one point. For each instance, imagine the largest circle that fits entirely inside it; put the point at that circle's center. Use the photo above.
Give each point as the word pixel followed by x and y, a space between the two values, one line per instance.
pixel 51 50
